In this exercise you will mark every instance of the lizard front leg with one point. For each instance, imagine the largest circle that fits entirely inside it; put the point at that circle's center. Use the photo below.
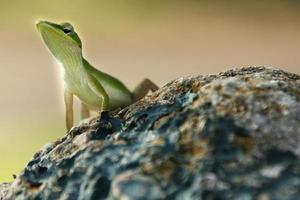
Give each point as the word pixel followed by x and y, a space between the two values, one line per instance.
pixel 68 97
pixel 97 88
pixel 143 88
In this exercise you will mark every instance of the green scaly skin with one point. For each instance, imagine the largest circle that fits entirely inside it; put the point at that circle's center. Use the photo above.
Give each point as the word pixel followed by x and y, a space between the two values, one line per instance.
pixel 96 89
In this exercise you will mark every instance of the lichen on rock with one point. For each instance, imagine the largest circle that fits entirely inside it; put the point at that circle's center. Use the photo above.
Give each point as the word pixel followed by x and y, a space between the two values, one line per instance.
pixel 235 135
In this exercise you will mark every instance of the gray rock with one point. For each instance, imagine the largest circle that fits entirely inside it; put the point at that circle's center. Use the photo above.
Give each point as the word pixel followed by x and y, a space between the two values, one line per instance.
pixel 235 135
pixel 4 188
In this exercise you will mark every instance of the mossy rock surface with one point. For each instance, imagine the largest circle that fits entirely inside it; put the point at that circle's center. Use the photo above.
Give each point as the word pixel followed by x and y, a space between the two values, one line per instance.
pixel 234 135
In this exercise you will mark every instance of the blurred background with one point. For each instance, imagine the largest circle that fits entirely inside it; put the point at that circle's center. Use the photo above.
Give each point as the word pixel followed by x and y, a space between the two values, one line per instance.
pixel 130 39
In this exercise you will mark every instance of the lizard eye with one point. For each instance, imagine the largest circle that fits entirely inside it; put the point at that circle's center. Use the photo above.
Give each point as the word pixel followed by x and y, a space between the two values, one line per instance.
pixel 67 28
pixel 67 31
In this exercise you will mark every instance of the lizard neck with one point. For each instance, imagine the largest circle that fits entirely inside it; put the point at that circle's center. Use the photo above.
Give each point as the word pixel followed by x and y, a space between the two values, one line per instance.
pixel 71 66
pixel 72 72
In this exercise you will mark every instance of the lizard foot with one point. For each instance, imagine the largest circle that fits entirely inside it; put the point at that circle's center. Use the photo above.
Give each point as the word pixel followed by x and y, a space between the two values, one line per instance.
pixel 106 126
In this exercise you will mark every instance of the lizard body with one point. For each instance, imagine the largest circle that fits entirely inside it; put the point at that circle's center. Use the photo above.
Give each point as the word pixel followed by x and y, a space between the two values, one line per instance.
pixel 94 88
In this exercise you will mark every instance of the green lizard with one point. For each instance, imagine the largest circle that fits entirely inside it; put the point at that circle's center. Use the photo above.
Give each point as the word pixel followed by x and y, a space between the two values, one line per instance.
pixel 94 88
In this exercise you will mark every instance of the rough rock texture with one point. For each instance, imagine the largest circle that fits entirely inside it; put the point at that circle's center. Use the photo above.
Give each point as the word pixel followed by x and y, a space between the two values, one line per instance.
pixel 4 188
pixel 235 135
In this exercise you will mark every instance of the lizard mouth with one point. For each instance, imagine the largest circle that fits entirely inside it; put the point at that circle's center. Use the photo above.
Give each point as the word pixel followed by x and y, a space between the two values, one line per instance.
pixel 44 27
pixel 59 43
pixel 55 30
pixel 45 24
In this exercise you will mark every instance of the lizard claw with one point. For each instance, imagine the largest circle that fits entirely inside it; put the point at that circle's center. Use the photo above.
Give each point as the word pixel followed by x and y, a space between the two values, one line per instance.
pixel 104 115
pixel 105 122
pixel 107 125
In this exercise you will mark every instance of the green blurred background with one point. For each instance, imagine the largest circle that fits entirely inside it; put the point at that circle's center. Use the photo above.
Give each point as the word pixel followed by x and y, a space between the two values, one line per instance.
pixel 130 39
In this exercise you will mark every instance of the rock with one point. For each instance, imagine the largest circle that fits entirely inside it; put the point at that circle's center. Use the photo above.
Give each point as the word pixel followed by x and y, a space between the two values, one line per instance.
pixel 235 135
pixel 4 188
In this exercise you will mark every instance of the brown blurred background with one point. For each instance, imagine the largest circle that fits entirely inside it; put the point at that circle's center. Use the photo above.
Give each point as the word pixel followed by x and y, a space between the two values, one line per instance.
pixel 131 40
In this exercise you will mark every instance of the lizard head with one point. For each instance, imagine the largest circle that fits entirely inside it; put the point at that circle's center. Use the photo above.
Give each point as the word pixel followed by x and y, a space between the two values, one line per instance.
pixel 61 39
